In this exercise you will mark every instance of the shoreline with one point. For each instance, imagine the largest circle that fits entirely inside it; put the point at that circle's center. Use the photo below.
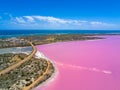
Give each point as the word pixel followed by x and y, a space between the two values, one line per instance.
pixel 48 39
pixel 53 76
pixel 44 39
pixel 50 63
pixel 99 65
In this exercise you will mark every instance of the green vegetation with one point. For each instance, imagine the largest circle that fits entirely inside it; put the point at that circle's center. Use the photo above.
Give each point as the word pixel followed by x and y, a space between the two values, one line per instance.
pixel 33 71
pixel 43 39
pixel 26 74
pixel 9 59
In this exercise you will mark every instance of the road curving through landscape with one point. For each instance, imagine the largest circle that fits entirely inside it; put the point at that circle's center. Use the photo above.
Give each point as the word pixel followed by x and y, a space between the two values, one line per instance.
pixel 7 70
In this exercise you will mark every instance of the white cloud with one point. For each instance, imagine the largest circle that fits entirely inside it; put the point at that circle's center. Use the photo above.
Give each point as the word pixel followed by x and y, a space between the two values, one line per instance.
pixel 49 22
pixel 99 23
pixel 29 18
pixel 20 20
pixel 50 19
pixel 96 23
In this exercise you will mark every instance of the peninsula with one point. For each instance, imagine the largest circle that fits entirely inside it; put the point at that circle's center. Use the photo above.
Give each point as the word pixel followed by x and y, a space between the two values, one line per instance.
pixel 23 72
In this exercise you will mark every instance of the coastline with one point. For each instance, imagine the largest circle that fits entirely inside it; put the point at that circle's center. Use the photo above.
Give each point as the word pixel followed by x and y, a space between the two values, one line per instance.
pixel 8 69
pixel 86 65
pixel 54 75
pixel 44 39
pixel 47 39
pixel 41 54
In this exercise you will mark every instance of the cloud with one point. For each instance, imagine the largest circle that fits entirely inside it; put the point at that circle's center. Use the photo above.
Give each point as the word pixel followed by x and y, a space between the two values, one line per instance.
pixel 29 18
pixel 20 20
pixel 50 19
pixel 95 23
pixel 49 22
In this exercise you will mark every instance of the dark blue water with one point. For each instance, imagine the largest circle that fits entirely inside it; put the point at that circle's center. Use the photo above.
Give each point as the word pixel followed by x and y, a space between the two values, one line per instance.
pixel 17 33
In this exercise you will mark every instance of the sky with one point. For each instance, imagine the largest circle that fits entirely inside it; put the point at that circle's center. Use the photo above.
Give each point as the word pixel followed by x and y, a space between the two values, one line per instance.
pixel 60 14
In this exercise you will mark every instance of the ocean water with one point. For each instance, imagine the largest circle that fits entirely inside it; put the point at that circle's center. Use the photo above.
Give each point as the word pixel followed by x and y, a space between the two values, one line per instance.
pixel 85 65
pixel 16 33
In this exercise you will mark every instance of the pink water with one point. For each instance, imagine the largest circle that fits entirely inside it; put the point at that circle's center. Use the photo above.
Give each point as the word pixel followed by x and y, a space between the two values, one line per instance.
pixel 85 65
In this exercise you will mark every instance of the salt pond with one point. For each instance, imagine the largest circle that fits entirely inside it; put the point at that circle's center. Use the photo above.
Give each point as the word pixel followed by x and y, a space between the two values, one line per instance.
pixel 85 65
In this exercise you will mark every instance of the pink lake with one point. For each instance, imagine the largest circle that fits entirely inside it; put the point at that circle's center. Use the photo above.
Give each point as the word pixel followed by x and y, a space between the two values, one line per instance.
pixel 85 65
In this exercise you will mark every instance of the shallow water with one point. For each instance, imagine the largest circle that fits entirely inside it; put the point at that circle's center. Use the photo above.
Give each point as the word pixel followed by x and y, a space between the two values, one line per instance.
pixel 85 65
pixel 16 50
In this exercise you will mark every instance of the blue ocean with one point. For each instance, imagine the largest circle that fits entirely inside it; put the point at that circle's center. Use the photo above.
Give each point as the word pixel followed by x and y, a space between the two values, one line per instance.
pixel 17 33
